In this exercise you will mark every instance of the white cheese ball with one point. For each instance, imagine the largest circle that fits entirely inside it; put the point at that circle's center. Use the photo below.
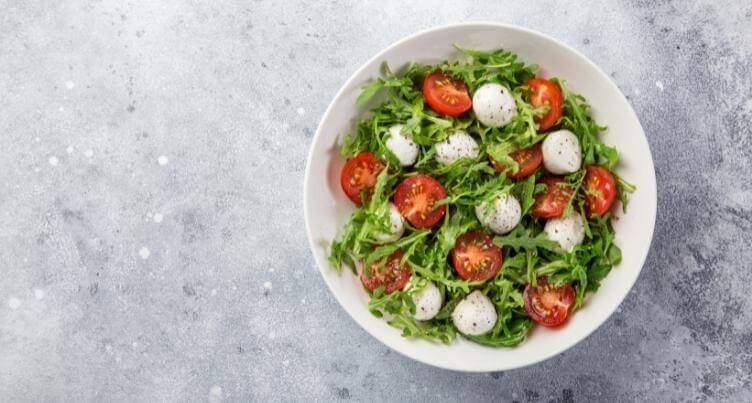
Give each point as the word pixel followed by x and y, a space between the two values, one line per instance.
pixel 397 227
pixel 494 105
pixel 505 214
pixel 427 302
pixel 568 232
pixel 561 152
pixel 474 315
pixel 402 146
pixel 458 145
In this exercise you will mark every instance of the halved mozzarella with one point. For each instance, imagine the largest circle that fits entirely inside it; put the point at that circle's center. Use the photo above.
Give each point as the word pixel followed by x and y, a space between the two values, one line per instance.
pixel 397 227
pixel 458 145
pixel 402 146
pixel 505 214
pixel 568 232
pixel 494 105
pixel 475 314
pixel 561 152
pixel 427 302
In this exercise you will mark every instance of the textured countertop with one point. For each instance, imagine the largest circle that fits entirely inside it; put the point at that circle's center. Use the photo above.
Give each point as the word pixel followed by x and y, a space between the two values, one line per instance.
pixel 151 226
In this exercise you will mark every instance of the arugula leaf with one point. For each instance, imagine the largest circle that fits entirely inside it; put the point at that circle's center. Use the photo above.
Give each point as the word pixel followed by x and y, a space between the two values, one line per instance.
pixel 499 66
pixel 525 191
pixel 522 238
pixel 369 90
pixel 575 181
pixel 518 332
pixel 500 152
pixel 442 331
pixel 358 237
pixel 577 119
pixel 623 189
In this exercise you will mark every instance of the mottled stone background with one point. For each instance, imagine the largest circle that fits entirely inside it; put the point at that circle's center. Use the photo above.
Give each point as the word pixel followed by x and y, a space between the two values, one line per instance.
pixel 151 226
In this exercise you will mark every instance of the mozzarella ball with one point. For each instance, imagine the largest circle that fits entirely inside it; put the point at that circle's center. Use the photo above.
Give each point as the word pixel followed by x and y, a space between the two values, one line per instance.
pixel 402 146
pixel 458 145
pixel 494 105
pixel 396 227
pixel 505 214
pixel 568 232
pixel 561 152
pixel 427 302
pixel 474 315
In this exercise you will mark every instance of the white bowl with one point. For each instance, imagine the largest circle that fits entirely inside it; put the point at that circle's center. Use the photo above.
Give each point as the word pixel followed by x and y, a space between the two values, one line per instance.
pixel 327 208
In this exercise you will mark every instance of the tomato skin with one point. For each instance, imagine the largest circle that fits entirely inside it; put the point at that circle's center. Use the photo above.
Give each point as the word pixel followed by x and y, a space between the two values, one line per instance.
pixel 360 172
pixel 600 190
pixel 529 159
pixel 475 257
pixel 552 202
pixel 415 198
pixel 393 275
pixel 446 95
pixel 545 92
pixel 548 305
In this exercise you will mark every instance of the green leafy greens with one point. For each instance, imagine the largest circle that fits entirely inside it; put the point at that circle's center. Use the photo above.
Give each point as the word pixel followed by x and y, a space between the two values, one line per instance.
pixel 528 253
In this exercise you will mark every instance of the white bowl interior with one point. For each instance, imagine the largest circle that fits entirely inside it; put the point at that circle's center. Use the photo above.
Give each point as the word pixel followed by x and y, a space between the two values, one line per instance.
pixel 327 209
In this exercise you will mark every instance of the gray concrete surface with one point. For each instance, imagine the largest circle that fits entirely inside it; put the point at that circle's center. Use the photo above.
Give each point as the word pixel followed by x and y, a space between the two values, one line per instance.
pixel 151 225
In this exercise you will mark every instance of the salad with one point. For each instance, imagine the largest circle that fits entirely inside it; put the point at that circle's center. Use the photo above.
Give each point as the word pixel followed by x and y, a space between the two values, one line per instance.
pixel 484 200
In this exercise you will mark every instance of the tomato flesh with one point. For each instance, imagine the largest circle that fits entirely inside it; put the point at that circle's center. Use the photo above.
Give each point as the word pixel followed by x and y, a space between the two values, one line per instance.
pixel 358 174
pixel 393 275
pixel 552 202
pixel 600 190
pixel 446 95
pixel 475 257
pixel 416 198
pixel 528 159
pixel 548 305
pixel 545 92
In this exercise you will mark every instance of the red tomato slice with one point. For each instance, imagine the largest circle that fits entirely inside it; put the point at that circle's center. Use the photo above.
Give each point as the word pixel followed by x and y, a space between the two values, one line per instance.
pixel 359 173
pixel 528 159
pixel 392 276
pixel 548 305
pixel 544 92
pixel 475 257
pixel 600 190
pixel 552 202
pixel 446 95
pixel 415 198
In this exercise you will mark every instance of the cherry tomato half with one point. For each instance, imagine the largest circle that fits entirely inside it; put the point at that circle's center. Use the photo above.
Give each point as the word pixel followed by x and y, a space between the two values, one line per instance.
pixel 446 95
pixel 546 304
pixel 552 202
pixel 416 197
pixel 545 92
pixel 360 172
pixel 600 190
pixel 393 275
pixel 528 159
pixel 475 257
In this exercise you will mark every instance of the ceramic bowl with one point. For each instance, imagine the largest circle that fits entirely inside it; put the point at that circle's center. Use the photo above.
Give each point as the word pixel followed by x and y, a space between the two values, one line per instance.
pixel 327 208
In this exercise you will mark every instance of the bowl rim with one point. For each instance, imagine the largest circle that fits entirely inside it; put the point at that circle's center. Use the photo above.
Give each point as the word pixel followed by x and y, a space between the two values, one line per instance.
pixel 429 31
